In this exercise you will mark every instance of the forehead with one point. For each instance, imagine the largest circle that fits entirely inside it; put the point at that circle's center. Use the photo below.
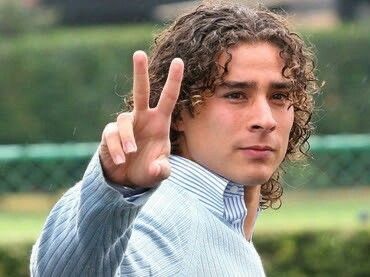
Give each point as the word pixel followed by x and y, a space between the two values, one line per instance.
pixel 249 58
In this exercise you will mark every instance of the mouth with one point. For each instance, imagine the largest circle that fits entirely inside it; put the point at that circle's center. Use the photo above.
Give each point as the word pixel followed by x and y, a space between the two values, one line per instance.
pixel 258 151
pixel 259 148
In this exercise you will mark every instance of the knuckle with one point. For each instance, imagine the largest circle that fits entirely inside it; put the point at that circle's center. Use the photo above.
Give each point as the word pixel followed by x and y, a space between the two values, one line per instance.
pixel 109 126
pixel 124 117
pixel 110 130
pixel 125 129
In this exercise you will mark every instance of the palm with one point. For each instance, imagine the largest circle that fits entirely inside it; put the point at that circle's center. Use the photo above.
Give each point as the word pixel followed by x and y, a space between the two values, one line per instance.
pixel 151 131
pixel 149 127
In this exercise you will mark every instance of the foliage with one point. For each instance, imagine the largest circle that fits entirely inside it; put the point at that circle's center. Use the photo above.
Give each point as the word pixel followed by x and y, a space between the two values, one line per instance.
pixel 288 254
pixel 17 18
pixel 344 66
pixel 315 254
pixel 65 85
pixel 14 260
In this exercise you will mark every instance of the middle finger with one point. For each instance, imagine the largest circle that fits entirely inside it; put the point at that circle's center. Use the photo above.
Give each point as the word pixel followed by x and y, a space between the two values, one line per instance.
pixel 141 85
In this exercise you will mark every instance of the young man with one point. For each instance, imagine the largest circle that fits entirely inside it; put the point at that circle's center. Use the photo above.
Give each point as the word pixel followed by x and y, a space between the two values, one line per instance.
pixel 177 182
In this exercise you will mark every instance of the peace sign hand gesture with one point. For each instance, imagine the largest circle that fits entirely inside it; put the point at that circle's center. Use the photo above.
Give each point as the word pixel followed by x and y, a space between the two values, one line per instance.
pixel 134 150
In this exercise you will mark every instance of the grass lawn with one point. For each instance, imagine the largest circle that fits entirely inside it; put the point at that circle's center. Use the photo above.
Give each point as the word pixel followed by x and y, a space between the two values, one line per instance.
pixel 328 209
pixel 22 216
pixel 20 227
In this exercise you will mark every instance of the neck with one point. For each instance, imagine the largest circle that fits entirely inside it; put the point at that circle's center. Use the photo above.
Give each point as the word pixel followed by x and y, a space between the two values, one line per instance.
pixel 252 202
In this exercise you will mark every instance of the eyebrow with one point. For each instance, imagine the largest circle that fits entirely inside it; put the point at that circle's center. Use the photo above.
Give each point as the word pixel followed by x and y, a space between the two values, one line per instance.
pixel 238 85
pixel 249 85
pixel 281 85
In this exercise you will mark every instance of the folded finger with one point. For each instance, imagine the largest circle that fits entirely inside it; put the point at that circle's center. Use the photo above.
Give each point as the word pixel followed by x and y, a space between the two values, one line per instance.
pixel 112 140
pixel 126 132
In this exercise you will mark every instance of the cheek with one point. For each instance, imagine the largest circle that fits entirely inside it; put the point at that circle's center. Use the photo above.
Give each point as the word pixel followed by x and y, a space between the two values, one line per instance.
pixel 218 116
pixel 286 123
pixel 220 122
pixel 226 121
pixel 288 119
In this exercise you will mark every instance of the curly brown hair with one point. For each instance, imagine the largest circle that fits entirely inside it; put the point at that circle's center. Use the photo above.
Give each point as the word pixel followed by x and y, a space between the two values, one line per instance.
pixel 201 36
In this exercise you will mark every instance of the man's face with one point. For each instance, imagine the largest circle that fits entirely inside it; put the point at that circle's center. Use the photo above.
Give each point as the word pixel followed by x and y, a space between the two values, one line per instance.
pixel 242 131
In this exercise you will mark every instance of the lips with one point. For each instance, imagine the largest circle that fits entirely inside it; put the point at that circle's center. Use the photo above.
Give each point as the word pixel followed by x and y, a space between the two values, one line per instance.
pixel 259 152
pixel 259 148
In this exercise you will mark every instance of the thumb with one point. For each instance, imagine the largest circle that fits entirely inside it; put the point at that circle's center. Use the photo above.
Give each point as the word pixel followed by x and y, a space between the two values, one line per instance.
pixel 160 168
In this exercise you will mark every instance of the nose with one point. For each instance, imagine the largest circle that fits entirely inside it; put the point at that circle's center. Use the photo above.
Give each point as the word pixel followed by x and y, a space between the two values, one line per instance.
pixel 262 117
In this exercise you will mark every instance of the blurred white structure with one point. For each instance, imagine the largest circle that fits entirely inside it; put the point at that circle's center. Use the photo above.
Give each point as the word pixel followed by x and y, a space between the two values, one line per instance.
pixel 303 13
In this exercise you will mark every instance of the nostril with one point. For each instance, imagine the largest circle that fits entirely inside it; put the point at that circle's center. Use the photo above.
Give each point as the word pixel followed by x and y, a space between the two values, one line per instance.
pixel 256 127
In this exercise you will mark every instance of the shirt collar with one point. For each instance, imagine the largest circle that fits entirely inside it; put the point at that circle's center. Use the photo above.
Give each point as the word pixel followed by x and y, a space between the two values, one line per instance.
pixel 205 185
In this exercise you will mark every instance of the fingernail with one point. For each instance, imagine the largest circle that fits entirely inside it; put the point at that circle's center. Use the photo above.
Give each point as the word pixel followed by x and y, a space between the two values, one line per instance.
pixel 130 147
pixel 119 159
pixel 178 60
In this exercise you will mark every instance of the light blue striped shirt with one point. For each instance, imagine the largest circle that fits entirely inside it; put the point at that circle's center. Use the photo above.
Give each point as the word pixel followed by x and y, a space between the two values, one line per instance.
pixel 224 198
pixel 191 225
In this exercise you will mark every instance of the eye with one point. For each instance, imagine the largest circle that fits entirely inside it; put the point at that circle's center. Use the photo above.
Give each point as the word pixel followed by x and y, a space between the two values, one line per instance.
pixel 280 97
pixel 235 95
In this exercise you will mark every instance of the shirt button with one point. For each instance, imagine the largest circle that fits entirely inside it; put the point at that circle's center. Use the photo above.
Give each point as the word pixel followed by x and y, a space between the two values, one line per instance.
pixel 234 189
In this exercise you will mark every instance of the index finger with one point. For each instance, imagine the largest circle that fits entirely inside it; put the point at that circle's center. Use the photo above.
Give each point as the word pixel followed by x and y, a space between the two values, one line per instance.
pixel 171 89
pixel 141 86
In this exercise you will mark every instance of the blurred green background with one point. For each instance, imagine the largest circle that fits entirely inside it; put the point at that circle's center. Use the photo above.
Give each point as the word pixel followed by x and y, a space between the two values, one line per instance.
pixel 64 67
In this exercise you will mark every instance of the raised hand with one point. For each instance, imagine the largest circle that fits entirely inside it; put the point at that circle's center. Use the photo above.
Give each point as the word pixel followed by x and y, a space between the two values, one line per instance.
pixel 134 150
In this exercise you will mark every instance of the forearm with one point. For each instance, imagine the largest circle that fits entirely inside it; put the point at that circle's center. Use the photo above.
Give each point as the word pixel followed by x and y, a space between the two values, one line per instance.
pixel 87 230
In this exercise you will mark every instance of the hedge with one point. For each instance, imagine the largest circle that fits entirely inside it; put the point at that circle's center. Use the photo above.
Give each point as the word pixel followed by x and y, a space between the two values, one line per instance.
pixel 66 84
pixel 14 259
pixel 315 254
pixel 344 66
pixel 301 254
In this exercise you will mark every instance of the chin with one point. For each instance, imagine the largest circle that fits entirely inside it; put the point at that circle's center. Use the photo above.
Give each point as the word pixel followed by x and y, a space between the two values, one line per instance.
pixel 253 179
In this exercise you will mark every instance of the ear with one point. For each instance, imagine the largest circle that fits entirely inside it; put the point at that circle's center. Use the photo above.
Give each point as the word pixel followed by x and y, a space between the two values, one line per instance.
pixel 178 125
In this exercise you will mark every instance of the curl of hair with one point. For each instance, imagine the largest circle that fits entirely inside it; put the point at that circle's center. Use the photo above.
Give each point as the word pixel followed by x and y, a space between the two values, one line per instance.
pixel 201 36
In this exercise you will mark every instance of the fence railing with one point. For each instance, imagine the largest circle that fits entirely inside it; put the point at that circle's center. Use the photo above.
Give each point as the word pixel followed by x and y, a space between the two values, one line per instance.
pixel 338 160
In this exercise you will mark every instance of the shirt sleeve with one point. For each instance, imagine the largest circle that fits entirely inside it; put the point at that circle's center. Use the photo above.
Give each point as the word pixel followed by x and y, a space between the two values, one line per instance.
pixel 91 223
